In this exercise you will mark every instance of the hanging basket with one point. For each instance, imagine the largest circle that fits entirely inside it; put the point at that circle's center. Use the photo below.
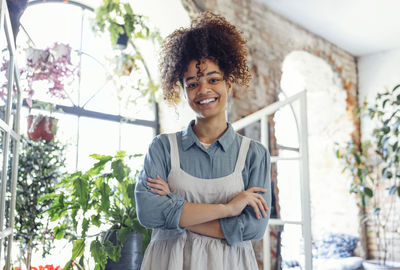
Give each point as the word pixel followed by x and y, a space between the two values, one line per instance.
pixel 41 127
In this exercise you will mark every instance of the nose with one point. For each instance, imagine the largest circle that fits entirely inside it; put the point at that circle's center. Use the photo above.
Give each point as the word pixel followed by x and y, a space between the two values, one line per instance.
pixel 204 88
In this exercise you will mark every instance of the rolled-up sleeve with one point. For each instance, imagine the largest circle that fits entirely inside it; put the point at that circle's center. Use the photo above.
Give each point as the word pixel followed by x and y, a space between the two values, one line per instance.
pixel 246 226
pixel 155 211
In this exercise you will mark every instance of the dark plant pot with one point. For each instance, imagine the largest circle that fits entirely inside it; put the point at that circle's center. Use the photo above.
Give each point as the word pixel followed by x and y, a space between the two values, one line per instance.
pixel 122 41
pixel 131 253
pixel 41 127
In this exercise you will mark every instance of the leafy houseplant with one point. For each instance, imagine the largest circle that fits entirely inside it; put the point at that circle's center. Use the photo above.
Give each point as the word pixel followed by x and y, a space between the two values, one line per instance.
pixel 40 168
pixel 376 166
pixel 120 20
pixel 102 198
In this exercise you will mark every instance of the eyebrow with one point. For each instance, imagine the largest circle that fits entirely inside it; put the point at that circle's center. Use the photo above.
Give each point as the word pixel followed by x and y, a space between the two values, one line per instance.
pixel 209 73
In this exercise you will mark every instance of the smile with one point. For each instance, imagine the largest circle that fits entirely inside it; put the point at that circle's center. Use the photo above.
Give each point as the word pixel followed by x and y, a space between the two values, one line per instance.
pixel 206 101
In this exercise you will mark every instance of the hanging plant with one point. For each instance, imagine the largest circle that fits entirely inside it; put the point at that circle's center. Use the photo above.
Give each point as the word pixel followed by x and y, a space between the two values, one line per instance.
pixel 119 19
pixel 49 69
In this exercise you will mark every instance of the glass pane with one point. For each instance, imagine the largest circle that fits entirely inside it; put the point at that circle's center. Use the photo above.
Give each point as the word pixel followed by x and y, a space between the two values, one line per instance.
pixel 136 140
pixel 96 137
pixel 286 131
pixel 62 24
pixel 289 189
pixel 292 248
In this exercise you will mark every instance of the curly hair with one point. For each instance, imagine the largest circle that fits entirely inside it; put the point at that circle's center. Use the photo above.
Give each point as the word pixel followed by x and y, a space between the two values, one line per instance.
pixel 209 36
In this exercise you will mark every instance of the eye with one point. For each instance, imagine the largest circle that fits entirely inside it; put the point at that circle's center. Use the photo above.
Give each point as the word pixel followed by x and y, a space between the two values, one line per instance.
pixel 214 80
pixel 191 85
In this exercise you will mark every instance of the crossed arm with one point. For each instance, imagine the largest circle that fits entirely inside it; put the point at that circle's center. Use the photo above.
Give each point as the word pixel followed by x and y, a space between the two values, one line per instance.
pixel 204 218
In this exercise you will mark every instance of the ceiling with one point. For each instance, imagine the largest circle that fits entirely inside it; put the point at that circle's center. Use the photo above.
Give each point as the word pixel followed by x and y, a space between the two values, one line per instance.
pixel 360 27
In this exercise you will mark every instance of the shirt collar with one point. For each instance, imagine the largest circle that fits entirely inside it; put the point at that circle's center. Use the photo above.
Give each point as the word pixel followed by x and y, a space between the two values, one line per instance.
pixel 189 137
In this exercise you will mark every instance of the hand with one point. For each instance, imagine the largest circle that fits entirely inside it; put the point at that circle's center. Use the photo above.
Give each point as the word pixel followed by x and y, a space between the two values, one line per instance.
pixel 249 197
pixel 158 186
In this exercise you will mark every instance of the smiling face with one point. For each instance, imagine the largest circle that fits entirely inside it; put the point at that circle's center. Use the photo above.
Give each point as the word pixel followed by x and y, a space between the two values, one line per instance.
pixel 207 91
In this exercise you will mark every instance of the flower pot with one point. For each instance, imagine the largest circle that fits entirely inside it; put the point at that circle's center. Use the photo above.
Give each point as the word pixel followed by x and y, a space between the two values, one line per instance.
pixel 41 127
pixel 122 41
pixel 378 265
pixel 131 253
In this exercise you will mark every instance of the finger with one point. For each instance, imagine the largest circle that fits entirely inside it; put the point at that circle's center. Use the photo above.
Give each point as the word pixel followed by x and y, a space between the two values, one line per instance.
pixel 157 186
pixel 159 178
pixel 255 208
pixel 156 180
pixel 261 208
pixel 257 189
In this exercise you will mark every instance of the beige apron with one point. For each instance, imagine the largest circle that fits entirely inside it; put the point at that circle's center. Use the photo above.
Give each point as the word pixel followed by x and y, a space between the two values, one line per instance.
pixel 173 250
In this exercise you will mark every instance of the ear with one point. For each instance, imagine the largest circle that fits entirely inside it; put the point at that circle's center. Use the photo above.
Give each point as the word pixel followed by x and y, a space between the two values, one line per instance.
pixel 229 85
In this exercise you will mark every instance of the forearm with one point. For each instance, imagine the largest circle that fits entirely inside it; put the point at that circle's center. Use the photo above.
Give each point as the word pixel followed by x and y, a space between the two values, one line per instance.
pixel 211 228
pixel 198 213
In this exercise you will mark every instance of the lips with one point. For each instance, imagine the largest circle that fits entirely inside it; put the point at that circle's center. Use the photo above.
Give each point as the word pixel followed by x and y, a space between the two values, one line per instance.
pixel 206 101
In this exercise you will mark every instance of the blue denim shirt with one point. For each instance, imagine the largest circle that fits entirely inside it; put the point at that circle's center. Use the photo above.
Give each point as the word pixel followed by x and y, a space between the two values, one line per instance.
pixel 163 212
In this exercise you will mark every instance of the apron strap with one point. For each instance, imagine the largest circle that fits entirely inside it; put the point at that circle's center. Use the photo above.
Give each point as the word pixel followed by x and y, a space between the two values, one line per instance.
pixel 244 147
pixel 174 152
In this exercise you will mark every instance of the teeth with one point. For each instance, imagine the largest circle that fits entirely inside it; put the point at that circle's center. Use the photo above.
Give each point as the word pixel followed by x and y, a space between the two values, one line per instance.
pixel 207 101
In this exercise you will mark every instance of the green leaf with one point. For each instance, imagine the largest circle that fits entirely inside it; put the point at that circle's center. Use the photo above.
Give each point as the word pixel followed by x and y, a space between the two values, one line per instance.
pixel 386 130
pixel 78 248
pixel 101 157
pixel 59 231
pixel 98 253
pixel 368 192
pixel 357 157
pixel 384 103
pixel 113 251
pixel 68 265
pixel 138 227
pixel 96 220
pixel 105 192
pixel 395 146
pixel 81 191
pixel 85 226
pixel 118 168
pixel 123 234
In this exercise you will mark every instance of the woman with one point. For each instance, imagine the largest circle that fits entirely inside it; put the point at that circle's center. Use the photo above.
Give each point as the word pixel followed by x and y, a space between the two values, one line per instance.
pixel 205 190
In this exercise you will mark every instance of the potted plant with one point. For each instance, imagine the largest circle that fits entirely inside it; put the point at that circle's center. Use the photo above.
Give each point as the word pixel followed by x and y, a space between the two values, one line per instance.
pixel 100 200
pixel 41 165
pixel 121 22
pixel 375 169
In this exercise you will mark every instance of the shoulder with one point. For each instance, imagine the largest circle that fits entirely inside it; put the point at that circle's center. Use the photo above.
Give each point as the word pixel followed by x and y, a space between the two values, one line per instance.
pixel 257 151
pixel 159 143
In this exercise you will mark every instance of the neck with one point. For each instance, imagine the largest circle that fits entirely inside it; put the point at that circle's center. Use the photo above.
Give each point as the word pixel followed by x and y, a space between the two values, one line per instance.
pixel 209 130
